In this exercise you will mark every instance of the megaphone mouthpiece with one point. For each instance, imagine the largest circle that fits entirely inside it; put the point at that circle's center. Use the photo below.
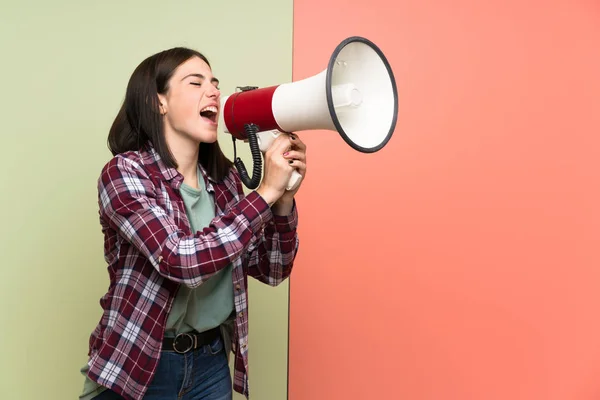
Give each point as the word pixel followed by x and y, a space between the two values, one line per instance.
pixel 250 106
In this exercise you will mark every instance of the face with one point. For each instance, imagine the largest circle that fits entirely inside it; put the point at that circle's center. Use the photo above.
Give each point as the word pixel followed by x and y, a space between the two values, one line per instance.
pixel 192 102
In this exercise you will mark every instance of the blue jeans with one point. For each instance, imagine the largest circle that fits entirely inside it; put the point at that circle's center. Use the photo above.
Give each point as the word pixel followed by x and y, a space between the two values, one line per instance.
pixel 202 374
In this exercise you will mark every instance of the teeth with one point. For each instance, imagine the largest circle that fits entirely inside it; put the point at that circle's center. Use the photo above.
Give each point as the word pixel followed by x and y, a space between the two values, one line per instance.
pixel 209 108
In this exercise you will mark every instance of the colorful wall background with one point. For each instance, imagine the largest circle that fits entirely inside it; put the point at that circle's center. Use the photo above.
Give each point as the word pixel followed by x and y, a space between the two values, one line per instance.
pixel 65 66
pixel 460 262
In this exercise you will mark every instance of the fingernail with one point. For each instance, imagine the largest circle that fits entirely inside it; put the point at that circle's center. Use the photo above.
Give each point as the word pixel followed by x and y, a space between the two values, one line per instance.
pixel 286 153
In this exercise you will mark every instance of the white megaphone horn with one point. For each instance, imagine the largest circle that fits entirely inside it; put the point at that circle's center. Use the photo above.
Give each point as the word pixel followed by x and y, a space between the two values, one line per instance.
pixel 355 95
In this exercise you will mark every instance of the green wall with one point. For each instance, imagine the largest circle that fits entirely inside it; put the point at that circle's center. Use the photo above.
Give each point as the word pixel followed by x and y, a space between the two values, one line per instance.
pixel 65 66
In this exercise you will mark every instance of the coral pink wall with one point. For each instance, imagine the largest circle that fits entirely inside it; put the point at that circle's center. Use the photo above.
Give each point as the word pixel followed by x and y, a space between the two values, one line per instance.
pixel 463 260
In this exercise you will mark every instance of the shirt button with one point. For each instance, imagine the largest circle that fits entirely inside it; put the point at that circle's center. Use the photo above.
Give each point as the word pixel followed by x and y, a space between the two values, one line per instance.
pixel 238 286
pixel 160 258
pixel 241 314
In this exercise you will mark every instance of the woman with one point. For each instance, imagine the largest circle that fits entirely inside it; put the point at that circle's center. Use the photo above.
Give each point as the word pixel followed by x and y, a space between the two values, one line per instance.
pixel 181 238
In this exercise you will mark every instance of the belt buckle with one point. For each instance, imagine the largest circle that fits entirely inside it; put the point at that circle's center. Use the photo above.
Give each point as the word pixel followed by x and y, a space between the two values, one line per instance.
pixel 176 341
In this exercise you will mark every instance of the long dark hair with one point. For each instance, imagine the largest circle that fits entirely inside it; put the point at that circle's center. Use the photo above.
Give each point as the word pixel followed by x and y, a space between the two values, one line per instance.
pixel 139 119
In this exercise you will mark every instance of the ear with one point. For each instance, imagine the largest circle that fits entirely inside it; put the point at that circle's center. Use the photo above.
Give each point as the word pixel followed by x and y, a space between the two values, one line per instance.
pixel 162 104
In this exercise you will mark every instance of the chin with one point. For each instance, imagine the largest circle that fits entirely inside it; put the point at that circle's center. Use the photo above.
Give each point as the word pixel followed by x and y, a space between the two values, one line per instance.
pixel 208 137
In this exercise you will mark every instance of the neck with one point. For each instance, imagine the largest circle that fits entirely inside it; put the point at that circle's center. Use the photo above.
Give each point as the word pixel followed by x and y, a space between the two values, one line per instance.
pixel 186 155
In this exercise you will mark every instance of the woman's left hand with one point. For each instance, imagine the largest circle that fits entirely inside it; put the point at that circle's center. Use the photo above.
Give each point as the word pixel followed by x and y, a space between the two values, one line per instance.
pixel 296 156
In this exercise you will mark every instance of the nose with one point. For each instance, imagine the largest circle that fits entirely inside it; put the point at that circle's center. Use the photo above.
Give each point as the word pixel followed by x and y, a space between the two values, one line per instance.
pixel 213 91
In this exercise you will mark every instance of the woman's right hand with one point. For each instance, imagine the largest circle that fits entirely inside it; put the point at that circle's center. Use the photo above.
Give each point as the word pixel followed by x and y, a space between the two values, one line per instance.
pixel 278 170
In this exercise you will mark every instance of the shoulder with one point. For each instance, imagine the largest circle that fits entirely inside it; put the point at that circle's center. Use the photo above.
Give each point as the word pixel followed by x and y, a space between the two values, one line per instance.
pixel 130 161
pixel 232 183
pixel 123 169
pixel 233 175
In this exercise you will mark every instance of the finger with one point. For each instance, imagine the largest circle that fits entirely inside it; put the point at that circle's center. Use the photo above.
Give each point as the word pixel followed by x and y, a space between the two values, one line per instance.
pixel 297 142
pixel 277 149
pixel 296 155
pixel 281 144
pixel 285 138
pixel 299 165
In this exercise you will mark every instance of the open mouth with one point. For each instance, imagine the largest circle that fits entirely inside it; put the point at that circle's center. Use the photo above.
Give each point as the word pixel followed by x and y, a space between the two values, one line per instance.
pixel 209 113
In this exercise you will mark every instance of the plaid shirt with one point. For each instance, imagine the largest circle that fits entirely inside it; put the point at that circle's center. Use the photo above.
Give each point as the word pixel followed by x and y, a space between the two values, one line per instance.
pixel 151 251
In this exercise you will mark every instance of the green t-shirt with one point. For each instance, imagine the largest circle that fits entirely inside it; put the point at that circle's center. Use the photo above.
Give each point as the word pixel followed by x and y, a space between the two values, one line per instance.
pixel 208 305
pixel 199 309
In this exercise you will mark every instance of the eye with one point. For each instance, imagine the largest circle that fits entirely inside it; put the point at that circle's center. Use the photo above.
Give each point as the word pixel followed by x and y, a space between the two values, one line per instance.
pixel 195 84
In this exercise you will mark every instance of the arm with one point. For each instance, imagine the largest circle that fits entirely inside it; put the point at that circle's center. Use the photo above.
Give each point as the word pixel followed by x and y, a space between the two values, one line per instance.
pixel 271 259
pixel 128 204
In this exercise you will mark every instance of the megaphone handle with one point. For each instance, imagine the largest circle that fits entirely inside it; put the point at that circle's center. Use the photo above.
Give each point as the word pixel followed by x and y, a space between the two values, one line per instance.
pixel 294 180
pixel 265 139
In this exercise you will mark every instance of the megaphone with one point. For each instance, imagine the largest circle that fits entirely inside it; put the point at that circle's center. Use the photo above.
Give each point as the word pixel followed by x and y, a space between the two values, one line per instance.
pixel 355 95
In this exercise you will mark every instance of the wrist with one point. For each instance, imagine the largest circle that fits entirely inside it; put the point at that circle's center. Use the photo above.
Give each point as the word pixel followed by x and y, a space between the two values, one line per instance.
pixel 283 206
pixel 269 196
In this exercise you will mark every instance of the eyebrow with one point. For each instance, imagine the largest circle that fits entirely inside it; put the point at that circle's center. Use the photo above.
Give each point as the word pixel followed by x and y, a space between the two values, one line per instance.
pixel 200 76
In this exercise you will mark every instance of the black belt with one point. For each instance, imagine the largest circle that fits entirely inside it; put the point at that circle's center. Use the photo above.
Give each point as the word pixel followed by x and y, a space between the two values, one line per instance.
pixel 185 342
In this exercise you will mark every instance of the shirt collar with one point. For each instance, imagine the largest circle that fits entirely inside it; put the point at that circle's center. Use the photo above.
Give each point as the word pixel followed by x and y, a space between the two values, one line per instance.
pixel 207 179
pixel 151 156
